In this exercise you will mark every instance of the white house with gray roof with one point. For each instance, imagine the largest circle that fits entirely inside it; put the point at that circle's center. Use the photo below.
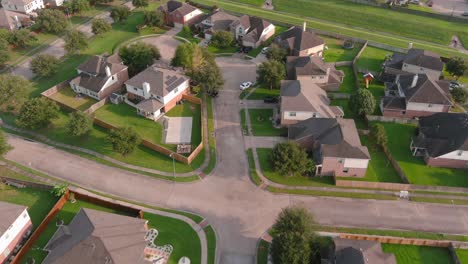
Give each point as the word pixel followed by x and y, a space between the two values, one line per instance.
pixel 15 226
pixel 416 61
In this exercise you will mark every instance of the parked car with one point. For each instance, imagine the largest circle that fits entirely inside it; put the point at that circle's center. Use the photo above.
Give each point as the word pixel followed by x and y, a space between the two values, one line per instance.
pixel 265 49
pixel 270 100
pixel 454 84
pixel 245 85
pixel 465 13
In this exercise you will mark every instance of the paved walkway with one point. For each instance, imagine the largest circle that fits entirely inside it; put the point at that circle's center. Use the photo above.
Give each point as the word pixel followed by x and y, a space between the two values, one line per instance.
pixel 238 210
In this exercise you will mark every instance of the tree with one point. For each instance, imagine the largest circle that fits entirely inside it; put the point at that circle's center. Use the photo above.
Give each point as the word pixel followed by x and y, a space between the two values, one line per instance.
pixel 138 56
pixel 120 13
pixel 95 2
pixel 459 94
pixel 4 146
pixel 37 113
pixel 289 158
pixel 210 77
pixel 100 26
pixel 44 65
pixel 80 124
pixel 188 55
pixel 276 53
pixel 4 51
pixel 153 18
pixel 270 73
pixel 52 20
pixel 456 67
pixel 13 92
pixel 140 3
pixel 76 6
pixel 22 38
pixel 222 39
pixel 362 102
pixel 124 140
pixel 378 134
pixel 75 41
pixel 59 190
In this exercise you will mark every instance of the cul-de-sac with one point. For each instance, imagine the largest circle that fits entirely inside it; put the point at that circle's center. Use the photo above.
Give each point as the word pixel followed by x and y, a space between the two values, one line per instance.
pixel 233 132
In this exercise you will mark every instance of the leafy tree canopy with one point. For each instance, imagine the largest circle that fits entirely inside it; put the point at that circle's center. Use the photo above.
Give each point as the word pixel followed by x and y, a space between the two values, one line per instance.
pixel 52 20
pixel 37 113
pixel 270 73
pixel 13 92
pixel 44 65
pixel 139 56
pixel 124 140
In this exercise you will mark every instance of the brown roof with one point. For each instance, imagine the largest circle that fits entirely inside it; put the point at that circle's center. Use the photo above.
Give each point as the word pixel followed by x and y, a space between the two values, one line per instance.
pixel 418 57
pixel 9 213
pixel 94 237
pixel 254 26
pixel 221 20
pixel 150 105
pixel 297 39
pixel 350 251
pixel 304 96
pixel 179 7
pixel 162 81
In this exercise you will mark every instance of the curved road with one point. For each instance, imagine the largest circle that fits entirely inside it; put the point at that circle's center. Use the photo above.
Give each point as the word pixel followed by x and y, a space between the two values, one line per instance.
pixel 237 209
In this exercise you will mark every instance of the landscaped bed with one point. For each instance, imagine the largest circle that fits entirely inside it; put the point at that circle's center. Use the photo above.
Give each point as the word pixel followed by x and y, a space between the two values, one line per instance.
pixel 262 123
pixel 336 52
pixel 68 97
pixel 409 254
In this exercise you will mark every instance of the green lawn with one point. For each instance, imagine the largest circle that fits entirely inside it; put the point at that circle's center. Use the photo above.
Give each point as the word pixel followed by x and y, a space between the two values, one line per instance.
pixel 39 202
pixel 211 135
pixel 336 52
pixel 463 255
pixel 211 241
pixel 213 49
pixel 262 252
pixel 349 82
pixel 262 125
pixel 252 169
pixel 261 93
pixel 68 97
pixel 243 122
pixel 188 35
pixel 264 155
pixel 42 39
pixel 399 138
pixel 408 254
pixel 372 59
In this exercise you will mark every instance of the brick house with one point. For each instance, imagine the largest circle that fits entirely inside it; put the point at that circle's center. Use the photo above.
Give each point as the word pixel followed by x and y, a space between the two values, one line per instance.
pixel 252 31
pixel 300 42
pixel 156 90
pixel 323 74
pixel 416 61
pixel 15 227
pixel 442 140
pixel 217 21
pixel 100 76
pixel 303 99
pixel 415 95
pixel 178 14
pixel 335 145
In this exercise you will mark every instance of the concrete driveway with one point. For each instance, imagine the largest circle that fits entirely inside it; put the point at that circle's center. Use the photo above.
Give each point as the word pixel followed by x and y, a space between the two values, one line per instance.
pixel 449 6
pixel 239 211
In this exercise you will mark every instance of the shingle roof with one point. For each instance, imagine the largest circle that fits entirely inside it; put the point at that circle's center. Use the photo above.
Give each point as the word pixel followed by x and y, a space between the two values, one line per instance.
pixel 425 91
pixel 350 251
pixel 93 237
pixel 9 213
pixel 162 81
pixel 255 27
pixel 221 20
pixel 418 57
pixel 150 105
pixel 442 133
pixel 305 65
pixel 7 18
pixel 176 6
pixel 297 39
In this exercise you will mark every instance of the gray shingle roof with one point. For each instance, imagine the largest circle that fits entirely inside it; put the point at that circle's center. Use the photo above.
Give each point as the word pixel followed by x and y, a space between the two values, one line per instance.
pixel 221 20
pixel 162 81
pixel 255 26
pixel 425 91
pixel 418 57
pixel 176 6
pixel 150 105
pixel 297 39
pixel 349 251
pixel 9 213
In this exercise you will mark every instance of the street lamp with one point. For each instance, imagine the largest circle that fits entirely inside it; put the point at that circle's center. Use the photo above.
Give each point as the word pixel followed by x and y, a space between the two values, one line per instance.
pixel 173 164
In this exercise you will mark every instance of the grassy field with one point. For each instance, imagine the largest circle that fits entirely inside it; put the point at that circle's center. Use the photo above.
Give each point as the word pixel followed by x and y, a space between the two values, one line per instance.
pixel 262 252
pixel 215 50
pixel 336 52
pixel 252 169
pixel 462 255
pixel 268 171
pixel 261 123
pixel 408 254
pixel 344 104
pixel 399 138
pixel 188 35
pixel 211 136
pixel 349 82
pixel 68 97
pixel 261 93
pixel 243 121
pixel 332 193
pixel 372 59
pixel 211 241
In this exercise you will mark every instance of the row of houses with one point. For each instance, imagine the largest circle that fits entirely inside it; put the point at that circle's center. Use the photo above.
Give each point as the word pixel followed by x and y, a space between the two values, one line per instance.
pixel 15 14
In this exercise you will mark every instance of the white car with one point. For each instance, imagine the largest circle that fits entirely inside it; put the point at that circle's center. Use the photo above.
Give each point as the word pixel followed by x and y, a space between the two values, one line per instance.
pixel 245 85
pixel 265 49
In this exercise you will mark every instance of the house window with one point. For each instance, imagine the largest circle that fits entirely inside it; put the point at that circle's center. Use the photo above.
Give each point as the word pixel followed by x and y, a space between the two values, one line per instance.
pixel 25 215
pixel 292 113
pixel 314 115
pixel 240 30
pixel 345 170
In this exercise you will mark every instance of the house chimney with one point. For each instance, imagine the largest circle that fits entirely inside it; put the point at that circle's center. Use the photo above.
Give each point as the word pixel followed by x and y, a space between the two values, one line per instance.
pixel 410 45
pixel 108 72
pixel 415 81
pixel 146 89
pixel 304 26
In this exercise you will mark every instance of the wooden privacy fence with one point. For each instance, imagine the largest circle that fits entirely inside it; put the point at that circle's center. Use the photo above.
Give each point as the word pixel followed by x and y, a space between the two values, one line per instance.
pixel 53 90
pixel 399 240
pixel 389 119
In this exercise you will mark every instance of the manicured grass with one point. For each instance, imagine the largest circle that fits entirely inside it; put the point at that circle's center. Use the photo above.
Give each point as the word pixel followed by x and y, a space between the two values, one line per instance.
pixel 211 136
pixel 262 252
pixel 348 113
pixel 244 93
pixel 336 52
pixel 42 39
pixel 252 2
pixel 6 172
pixel 349 82
pixel 68 97
pixel 409 254
pixel 211 241
pixel 244 127
pixel 188 35
pixel 213 49
pixel 399 138
pixel 261 123
pixel 462 255
pixel 332 193
pixel 372 59
pixel 261 93
pixel 266 167
pixel 252 170
pixel 439 200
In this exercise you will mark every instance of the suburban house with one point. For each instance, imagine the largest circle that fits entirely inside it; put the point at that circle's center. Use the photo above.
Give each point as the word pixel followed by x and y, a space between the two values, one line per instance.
pixel 100 76
pixel 15 227
pixel 442 140
pixel 156 90
pixel 300 42
pixel 252 31
pixel 178 14
pixel 323 74
pixel 415 95
pixel 14 20
pixel 416 61
pixel 96 237
pixel 217 21
pixel 335 145
pixel 303 99
pixel 22 6
pixel 353 251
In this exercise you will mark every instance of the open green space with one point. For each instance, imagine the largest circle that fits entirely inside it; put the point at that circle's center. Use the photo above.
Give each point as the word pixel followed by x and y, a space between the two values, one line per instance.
pixel 262 123
pixel 262 252
pixel 216 50
pixel 462 255
pixel 399 138
pixel 266 166
pixel 336 52
pixel 371 59
pixel 39 202
pixel 211 241
pixel 260 93
pixel 188 35
pixel 243 122
pixel 42 39
pixel 349 82
pixel 409 254
pixel 252 169
pixel 211 135
pixel 68 97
